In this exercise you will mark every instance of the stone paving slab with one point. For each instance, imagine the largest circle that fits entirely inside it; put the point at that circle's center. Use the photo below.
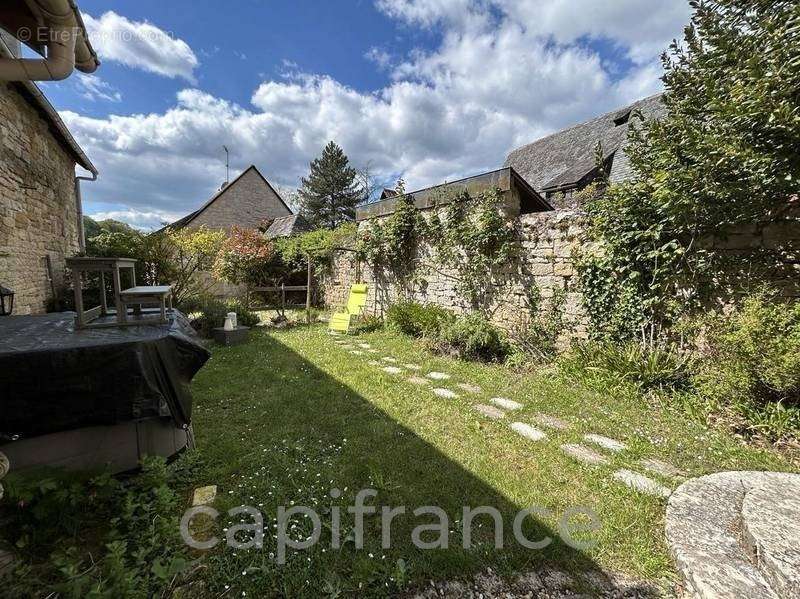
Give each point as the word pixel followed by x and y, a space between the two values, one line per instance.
pixel 374 363
pixel 551 422
pixel 771 522
pixel 489 411
pixel 413 366
pixel 389 359
pixel 357 352
pixel 438 376
pixel 528 431
pixel 605 442
pixel 364 345
pixel 469 387
pixel 418 380
pixel 506 404
pixel 446 393
pixel 703 527
pixel 641 483
pixel 204 495
pixel 661 468
pixel 392 369
pixel 584 454
pixel 374 351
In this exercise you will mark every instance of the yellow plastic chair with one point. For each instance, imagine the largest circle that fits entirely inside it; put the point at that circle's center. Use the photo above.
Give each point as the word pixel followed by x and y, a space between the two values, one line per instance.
pixel 340 321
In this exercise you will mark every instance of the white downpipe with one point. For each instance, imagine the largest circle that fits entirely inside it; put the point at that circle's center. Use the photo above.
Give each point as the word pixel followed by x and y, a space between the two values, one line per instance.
pixel 58 65
pixel 79 209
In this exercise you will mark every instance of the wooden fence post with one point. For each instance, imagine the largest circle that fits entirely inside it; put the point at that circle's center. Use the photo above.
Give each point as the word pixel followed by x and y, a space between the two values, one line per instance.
pixel 308 292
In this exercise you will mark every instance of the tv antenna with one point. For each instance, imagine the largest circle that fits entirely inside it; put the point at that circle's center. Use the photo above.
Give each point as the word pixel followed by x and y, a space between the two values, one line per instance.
pixel 227 165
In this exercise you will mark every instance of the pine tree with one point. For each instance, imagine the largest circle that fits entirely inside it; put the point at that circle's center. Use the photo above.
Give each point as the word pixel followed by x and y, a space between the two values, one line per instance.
pixel 331 192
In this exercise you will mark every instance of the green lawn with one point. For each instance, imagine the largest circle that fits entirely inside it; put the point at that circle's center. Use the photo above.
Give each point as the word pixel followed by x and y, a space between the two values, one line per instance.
pixel 291 415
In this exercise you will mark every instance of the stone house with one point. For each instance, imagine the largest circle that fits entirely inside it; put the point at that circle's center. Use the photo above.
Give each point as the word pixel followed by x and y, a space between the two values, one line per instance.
pixel 248 202
pixel 40 204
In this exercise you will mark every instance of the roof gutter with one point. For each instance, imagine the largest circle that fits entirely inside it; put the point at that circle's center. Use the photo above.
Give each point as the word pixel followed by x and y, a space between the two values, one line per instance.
pixel 65 39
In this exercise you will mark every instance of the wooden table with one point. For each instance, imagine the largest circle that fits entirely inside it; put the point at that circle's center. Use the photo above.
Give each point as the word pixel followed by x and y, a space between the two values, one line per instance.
pixel 81 265
pixel 142 294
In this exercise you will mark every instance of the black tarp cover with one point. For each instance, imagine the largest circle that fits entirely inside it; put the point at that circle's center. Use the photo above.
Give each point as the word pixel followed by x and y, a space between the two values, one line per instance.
pixel 54 378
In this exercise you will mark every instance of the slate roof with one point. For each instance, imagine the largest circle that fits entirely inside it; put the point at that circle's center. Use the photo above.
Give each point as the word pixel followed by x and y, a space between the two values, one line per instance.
pixel 564 159
pixel 504 179
pixel 286 226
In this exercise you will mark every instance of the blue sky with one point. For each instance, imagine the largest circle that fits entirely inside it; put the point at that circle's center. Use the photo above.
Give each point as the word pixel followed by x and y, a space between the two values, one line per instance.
pixel 427 89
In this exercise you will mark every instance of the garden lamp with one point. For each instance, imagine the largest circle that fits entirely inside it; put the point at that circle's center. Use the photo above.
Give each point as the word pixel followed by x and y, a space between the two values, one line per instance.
pixel 6 301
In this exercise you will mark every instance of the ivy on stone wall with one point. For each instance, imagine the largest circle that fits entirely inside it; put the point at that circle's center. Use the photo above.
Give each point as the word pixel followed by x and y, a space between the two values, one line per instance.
pixel 476 239
pixel 473 238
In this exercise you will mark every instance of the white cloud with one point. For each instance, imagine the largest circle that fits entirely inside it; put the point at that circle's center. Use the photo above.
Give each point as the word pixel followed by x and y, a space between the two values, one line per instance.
pixel 379 56
pixel 94 88
pixel 145 221
pixel 141 45
pixel 495 82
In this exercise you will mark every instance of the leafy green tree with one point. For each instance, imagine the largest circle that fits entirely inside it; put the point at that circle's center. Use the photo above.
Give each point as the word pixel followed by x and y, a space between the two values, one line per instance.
pixel 331 192
pixel 725 155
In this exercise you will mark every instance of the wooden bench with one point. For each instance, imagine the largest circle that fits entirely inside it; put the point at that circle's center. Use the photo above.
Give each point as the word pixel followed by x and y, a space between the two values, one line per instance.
pixel 142 294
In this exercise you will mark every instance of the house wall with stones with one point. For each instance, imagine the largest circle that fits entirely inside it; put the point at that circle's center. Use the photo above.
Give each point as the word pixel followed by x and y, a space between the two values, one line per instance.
pixel 548 242
pixel 38 210
pixel 246 203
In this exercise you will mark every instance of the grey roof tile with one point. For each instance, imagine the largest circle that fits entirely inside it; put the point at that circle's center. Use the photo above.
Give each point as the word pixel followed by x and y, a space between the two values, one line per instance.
pixel 566 157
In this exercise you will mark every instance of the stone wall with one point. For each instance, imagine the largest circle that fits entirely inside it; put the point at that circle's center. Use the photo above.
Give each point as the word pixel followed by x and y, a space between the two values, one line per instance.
pixel 38 211
pixel 547 242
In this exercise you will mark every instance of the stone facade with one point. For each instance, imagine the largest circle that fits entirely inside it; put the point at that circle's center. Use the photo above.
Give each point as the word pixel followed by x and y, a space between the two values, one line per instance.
pixel 247 202
pixel 38 209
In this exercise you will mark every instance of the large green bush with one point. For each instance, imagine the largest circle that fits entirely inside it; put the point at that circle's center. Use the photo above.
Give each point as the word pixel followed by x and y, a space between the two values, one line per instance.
pixel 472 337
pixel 752 365
pixel 417 320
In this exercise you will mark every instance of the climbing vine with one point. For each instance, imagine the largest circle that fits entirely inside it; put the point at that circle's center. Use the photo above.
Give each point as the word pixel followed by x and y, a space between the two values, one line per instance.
pixel 472 238
pixel 476 239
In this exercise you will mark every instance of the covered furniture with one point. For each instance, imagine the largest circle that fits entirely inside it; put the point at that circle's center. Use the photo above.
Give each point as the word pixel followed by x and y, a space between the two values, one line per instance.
pixel 96 396
pixel 341 321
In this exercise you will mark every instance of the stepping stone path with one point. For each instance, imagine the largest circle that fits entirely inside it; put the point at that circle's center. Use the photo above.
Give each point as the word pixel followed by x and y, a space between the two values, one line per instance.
pixel 364 345
pixel 605 442
pixel 551 422
pixel 639 482
pixel 527 431
pixel 438 376
pixel 584 454
pixel 469 388
pixel 413 366
pixel 660 468
pixel 446 393
pixel 506 404
pixel 392 369
pixel 389 359
pixel 490 411
pixel 418 380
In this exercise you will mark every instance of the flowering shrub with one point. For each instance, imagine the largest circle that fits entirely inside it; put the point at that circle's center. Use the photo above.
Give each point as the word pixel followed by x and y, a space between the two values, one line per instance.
pixel 247 258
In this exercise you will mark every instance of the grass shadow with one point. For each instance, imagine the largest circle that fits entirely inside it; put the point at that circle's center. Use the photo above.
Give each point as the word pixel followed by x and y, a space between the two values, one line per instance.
pixel 276 429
